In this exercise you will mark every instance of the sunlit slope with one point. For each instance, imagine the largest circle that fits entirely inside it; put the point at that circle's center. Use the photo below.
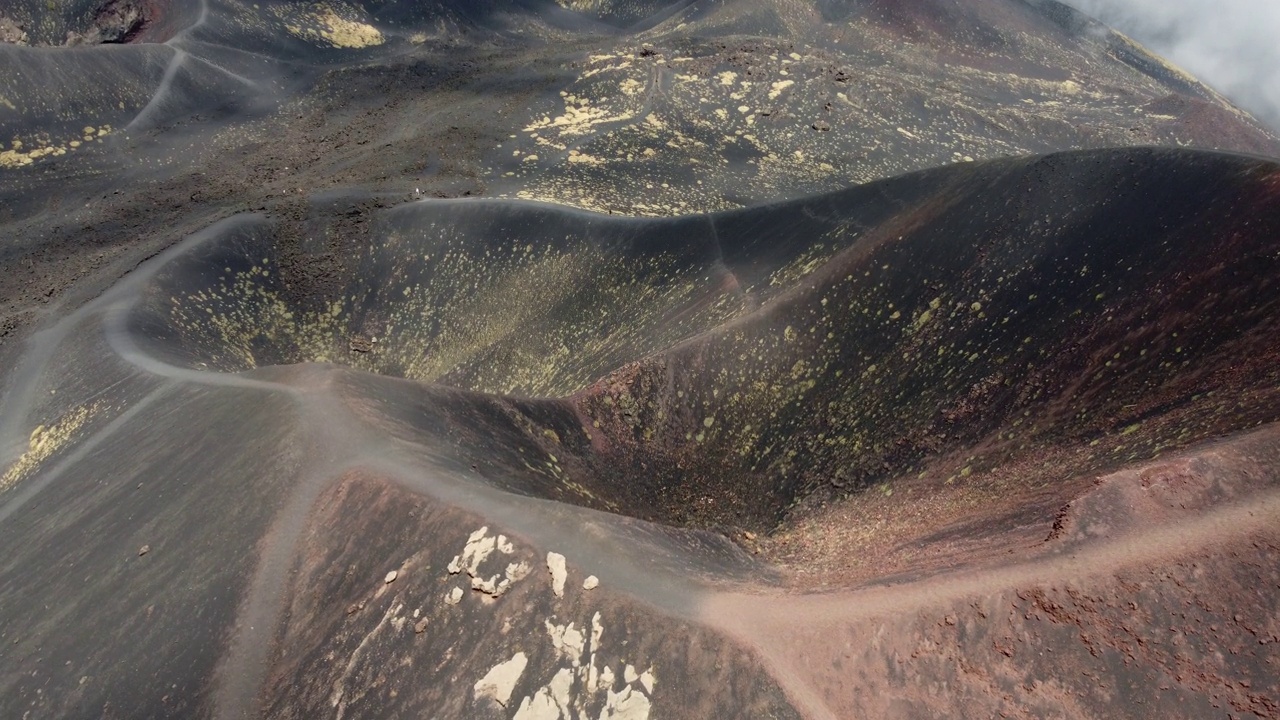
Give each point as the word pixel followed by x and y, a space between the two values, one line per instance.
pixel 641 108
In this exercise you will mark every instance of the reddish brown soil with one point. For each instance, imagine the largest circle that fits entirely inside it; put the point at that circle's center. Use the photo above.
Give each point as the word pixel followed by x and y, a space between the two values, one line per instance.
pixel 1155 591
pixel 353 643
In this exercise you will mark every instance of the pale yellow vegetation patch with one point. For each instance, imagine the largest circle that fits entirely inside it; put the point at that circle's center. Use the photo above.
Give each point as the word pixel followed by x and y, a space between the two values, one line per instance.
pixel 579 118
pixel 22 153
pixel 337 26
pixel 581 5
pixel 46 440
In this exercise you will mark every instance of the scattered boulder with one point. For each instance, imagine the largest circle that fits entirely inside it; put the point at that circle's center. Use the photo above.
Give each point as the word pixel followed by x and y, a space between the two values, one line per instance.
pixel 116 22
pixel 12 32
pixel 501 680
pixel 556 566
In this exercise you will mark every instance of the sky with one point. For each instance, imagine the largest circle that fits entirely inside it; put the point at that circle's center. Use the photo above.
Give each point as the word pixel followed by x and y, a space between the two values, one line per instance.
pixel 1231 45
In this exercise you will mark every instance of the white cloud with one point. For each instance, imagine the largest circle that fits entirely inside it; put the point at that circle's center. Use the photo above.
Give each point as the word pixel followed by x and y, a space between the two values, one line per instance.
pixel 1232 45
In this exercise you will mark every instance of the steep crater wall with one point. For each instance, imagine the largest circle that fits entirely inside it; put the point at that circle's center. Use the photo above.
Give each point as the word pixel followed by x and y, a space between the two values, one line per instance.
pixel 1099 308
pixel 505 298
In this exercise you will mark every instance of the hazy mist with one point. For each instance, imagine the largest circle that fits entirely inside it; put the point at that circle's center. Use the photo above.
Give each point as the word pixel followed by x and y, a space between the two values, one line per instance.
pixel 1232 45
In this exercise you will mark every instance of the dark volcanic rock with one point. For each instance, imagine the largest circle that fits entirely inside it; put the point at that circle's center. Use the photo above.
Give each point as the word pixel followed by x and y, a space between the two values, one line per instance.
pixel 721 369
pixel 117 21
pixel 605 647
pixel 914 321
pixel 907 339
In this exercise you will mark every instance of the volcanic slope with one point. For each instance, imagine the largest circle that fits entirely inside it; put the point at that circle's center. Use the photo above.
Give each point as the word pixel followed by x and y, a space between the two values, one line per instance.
pixel 262 493
pixel 114 151
pixel 875 436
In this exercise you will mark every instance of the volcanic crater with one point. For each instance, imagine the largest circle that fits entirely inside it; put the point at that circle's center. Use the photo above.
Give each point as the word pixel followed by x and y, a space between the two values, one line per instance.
pixel 720 371
pixel 623 359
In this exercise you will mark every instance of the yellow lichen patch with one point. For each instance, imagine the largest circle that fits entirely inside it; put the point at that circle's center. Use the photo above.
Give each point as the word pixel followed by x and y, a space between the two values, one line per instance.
pixel 678 135
pixel 804 264
pixel 337 25
pixel 21 153
pixel 492 335
pixel 579 118
pixel 579 157
pixel 476 320
pixel 581 6
pixel 245 315
pixel 621 123
pixel 44 442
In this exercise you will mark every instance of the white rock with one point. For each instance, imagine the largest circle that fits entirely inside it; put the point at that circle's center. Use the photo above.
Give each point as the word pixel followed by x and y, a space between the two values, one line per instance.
pixel 454 597
pixel 625 705
pixel 593 675
pixel 591 583
pixel 476 551
pixel 555 564
pixel 597 631
pixel 501 679
pixel 391 577
pixel 517 571
pixel 488 587
pixel 568 641
pixel 538 707
pixel 550 700
pixel 560 687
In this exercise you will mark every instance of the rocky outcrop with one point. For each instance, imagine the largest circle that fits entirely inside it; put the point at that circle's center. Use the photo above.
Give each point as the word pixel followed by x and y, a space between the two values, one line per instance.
pixel 115 22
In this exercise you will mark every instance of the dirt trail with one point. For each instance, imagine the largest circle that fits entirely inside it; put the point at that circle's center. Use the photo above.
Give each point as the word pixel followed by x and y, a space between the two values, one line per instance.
pixel 789 631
